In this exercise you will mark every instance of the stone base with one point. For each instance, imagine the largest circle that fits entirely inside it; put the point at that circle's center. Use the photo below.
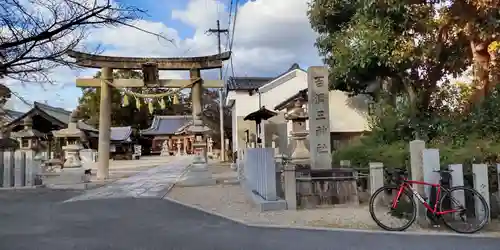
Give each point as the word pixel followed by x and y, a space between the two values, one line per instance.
pixel 197 175
pixel 234 166
pixel 262 204
pixel 69 176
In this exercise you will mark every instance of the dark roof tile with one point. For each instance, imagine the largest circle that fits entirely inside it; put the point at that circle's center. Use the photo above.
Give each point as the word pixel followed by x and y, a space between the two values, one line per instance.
pixel 251 83
pixel 166 125
pixel 121 133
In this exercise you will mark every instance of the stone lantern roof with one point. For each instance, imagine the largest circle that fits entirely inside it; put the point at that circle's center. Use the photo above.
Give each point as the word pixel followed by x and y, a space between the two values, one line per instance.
pixel 72 131
pixel 28 130
pixel 298 113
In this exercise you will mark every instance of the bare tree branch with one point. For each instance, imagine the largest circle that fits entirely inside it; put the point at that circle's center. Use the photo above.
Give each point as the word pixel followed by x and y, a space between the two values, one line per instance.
pixel 36 34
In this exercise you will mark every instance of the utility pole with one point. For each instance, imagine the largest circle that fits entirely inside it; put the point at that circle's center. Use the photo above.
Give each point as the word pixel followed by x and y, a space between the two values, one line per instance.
pixel 218 32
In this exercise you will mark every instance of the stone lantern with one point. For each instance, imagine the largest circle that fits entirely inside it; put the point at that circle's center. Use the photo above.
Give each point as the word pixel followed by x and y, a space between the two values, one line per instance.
pixel 199 174
pixel 28 138
pixel 299 117
pixel 199 130
pixel 73 136
pixel 300 153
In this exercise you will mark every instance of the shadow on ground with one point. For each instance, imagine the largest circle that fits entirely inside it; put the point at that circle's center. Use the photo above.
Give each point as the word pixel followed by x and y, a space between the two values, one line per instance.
pixel 38 219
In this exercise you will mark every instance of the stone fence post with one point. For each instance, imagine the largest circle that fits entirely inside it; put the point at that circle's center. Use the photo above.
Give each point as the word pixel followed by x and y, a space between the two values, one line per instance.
pixel 376 176
pixel 417 174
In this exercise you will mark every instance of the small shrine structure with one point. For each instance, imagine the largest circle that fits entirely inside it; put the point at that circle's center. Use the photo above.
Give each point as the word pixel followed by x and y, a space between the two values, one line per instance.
pixel 122 143
pixel 169 135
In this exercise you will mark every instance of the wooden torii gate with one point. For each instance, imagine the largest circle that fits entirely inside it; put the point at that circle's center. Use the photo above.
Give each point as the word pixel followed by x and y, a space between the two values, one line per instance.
pixel 150 68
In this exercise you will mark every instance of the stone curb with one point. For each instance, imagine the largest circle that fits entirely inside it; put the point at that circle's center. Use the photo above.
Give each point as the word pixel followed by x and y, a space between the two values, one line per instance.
pixel 186 169
pixel 347 230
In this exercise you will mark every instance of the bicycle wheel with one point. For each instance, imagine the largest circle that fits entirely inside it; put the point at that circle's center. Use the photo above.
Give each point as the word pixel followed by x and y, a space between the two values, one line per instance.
pixel 472 210
pixel 405 209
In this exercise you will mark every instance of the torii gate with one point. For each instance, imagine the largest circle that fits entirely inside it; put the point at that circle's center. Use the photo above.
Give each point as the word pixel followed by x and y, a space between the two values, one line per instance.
pixel 150 68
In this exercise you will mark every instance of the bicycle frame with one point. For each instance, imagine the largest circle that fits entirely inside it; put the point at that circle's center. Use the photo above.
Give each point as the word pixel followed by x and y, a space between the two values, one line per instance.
pixel 407 184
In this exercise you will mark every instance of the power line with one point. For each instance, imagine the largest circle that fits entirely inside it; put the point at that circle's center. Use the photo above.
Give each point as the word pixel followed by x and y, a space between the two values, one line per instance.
pixel 229 21
pixel 231 40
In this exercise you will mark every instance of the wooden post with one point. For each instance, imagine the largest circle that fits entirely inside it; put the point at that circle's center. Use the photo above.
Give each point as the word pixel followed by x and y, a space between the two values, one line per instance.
pixel 104 124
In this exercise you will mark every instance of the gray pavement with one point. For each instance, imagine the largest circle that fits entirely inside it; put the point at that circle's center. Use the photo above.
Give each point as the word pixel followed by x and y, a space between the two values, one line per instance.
pixel 39 219
pixel 154 182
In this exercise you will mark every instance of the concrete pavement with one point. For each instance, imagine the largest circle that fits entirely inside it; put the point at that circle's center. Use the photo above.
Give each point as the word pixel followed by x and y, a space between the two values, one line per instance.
pixel 39 219
pixel 154 182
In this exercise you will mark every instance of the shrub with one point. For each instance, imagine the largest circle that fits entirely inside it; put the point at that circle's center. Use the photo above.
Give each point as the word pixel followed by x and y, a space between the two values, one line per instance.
pixel 365 150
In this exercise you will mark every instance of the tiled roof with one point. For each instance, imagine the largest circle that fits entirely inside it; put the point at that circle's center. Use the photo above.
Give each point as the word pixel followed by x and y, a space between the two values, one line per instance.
pixel 251 83
pixel 121 133
pixel 166 125
pixel 283 104
pixel 12 114
pixel 58 114
pixel 62 115
pixel 247 83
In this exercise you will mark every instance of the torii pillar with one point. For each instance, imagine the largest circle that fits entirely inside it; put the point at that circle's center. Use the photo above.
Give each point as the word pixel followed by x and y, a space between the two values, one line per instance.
pixel 104 124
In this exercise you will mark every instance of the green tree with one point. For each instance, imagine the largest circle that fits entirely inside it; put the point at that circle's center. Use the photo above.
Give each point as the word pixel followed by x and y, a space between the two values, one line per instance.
pixel 407 46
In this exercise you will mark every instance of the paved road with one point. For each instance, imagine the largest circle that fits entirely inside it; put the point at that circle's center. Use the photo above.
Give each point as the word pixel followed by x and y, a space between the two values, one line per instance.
pixel 38 219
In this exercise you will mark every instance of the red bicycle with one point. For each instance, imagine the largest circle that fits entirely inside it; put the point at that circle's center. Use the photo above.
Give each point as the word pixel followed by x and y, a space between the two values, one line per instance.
pixel 452 204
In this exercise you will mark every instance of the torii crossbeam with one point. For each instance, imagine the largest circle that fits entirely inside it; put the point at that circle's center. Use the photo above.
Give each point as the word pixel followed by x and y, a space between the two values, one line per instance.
pixel 150 68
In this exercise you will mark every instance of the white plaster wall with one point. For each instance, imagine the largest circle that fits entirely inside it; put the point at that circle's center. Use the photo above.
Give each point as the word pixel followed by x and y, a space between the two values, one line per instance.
pixel 275 96
pixel 347 114
pixel 244 103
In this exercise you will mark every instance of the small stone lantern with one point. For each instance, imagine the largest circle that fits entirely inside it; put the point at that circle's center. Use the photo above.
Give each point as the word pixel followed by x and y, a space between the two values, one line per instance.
pixel 73 136
pixel 28 138
pixel 300 154
pixel 199 130
pixel 298 116
pixel 199 174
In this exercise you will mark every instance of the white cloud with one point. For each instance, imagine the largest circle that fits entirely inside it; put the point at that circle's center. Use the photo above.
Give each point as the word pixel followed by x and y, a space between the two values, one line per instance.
pixel 270 35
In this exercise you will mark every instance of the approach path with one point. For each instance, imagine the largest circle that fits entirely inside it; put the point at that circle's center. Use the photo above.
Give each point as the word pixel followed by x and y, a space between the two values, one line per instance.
pixel 154 182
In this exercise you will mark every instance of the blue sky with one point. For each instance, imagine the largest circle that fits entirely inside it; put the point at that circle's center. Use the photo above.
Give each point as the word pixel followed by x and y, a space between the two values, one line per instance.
pixel 270 36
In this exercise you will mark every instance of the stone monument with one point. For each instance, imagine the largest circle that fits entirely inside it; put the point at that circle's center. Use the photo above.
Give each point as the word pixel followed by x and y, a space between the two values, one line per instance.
pixel 164 148
pixel 210 145
pixel 179 143
pixel 319 118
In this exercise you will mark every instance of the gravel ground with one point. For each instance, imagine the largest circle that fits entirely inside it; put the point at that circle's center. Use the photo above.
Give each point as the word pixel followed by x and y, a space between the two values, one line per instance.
pixel 231 201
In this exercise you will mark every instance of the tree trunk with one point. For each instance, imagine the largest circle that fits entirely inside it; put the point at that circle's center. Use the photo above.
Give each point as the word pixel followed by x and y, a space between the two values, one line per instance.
pixel 481 69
